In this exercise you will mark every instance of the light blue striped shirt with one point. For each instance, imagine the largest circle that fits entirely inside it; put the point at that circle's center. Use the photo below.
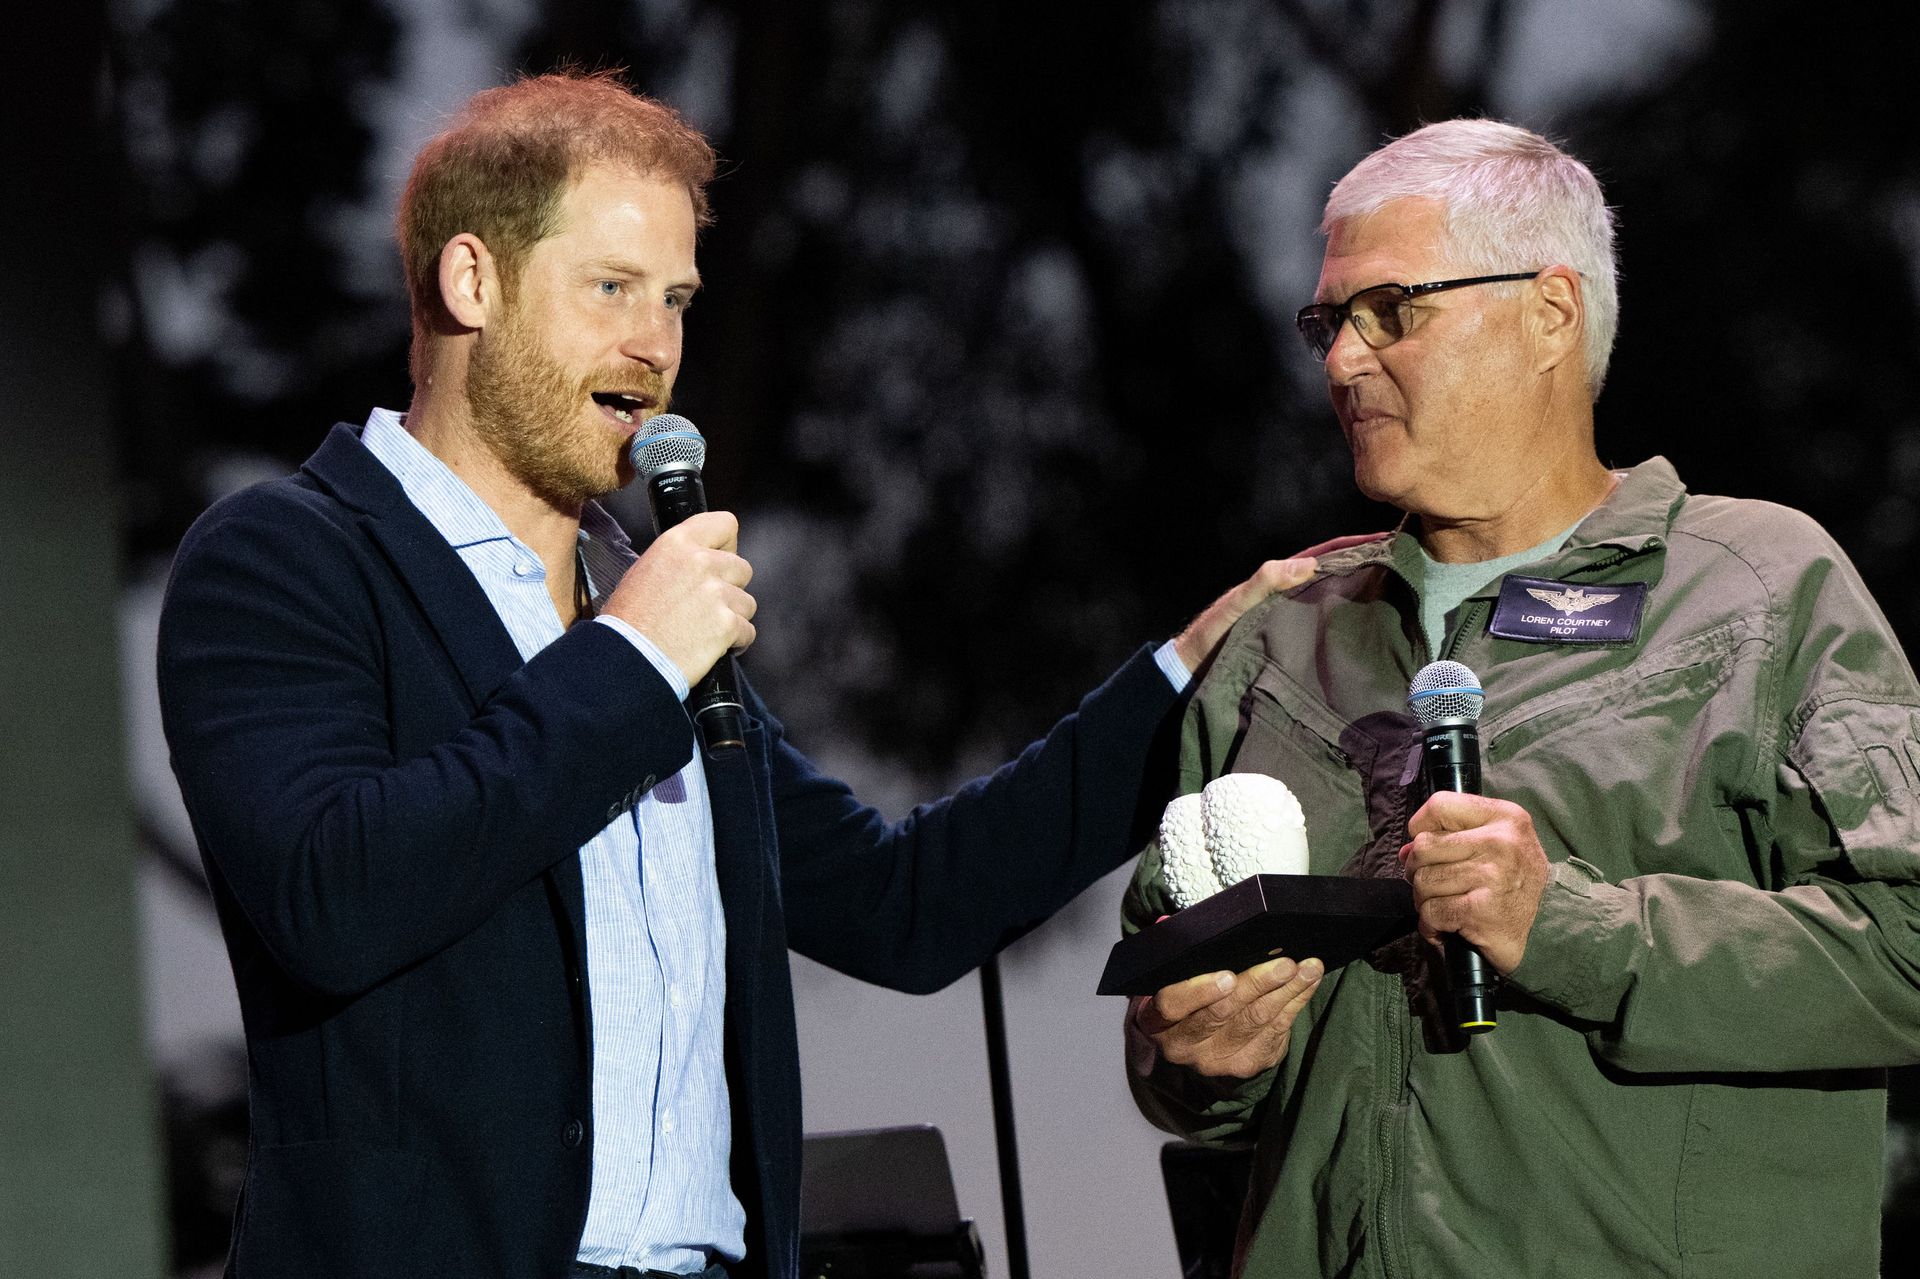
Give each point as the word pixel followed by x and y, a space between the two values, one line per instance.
pixel 656 939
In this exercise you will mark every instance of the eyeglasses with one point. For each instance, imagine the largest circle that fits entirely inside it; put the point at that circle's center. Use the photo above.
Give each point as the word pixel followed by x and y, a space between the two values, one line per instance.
pixel 1380 314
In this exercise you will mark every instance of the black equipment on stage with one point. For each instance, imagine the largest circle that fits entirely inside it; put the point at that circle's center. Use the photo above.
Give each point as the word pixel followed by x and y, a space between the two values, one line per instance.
pixel 878 1203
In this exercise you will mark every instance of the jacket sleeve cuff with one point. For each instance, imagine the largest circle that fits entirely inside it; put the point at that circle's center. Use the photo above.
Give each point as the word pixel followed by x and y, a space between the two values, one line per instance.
pixel 1167 658
pixel 1574 957
pixel 1217 1111
pixel 651 651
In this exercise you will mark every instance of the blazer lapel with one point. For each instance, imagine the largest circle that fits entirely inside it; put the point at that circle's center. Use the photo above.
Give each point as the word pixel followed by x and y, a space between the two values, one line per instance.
pixel 455 606
pixel 458 610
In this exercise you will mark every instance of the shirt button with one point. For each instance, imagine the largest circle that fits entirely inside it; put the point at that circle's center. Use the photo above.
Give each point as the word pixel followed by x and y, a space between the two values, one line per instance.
pixel 573 1134
pixel 666 1122
pixel 674 997
pixel 526 568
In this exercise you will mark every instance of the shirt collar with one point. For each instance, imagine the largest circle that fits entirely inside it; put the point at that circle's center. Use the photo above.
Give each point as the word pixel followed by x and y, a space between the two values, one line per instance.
pixel 459 514
pixel 1639 512
pixel 450 505
pixel 1636 516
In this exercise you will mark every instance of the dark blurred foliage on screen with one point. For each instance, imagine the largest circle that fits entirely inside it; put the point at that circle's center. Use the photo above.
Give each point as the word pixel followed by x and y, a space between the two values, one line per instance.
pixel 244 134
pixel 979 341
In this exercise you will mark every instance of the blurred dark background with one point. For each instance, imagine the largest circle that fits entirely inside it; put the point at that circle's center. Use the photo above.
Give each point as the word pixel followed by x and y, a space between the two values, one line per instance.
pixel 996 353
pixel 998 326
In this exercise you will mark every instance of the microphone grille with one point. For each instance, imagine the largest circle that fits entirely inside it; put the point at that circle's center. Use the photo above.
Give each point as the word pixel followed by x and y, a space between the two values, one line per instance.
pixel 668 442
pixel 1445 691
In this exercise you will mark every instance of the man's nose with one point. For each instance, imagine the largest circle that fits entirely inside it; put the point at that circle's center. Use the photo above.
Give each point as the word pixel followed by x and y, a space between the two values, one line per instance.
pixel 1349 357
pixel 654 338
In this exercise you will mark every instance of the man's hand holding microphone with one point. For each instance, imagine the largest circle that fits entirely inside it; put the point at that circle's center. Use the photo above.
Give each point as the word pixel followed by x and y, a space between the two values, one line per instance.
pixel 688 593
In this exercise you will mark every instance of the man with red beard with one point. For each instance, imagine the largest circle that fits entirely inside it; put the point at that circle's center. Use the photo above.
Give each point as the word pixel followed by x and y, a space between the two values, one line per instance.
pixel 511 953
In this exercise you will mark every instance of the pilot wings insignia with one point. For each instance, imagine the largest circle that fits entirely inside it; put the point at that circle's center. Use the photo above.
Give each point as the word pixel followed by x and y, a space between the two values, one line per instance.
pixel 1572 600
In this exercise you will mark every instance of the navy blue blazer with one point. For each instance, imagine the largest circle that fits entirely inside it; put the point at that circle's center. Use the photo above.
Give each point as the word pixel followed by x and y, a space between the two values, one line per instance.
pixel 390 806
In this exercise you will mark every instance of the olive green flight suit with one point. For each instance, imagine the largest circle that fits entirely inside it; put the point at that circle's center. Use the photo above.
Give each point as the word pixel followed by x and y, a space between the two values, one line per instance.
pixel 1687 1078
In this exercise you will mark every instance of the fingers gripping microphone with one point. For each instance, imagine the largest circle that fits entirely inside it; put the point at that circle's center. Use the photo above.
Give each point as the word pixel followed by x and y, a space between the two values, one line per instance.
pixel 1446 698
pixel 668 453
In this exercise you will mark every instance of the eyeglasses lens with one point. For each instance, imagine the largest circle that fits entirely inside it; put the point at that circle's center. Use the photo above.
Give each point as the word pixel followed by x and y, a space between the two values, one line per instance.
pixel 1319 325
pixel 1379 315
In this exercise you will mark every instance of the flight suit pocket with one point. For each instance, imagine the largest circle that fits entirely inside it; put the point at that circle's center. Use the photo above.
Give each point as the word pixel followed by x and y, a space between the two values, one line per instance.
pixel 1641 769
pixel 1352 778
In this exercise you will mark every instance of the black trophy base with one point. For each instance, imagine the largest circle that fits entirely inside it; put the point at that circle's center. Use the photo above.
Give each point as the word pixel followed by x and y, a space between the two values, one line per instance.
pixel 1332 918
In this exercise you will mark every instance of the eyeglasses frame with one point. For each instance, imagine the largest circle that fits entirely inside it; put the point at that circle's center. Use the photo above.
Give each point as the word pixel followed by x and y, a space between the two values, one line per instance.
pixel 1408 292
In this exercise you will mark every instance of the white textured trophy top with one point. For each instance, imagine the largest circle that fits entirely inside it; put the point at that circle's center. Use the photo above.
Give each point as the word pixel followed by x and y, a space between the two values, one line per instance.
pixel 1184 862
pixel 1241 824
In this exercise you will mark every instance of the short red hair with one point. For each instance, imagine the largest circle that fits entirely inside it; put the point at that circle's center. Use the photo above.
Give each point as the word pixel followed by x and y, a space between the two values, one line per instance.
pixel 501 169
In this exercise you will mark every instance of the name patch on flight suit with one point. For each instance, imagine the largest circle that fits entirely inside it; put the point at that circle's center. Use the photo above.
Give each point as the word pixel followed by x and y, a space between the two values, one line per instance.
pixel 1542 611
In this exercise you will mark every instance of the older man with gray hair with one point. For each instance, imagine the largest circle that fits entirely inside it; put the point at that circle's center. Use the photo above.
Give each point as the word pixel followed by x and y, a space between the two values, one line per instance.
pixel 1696 866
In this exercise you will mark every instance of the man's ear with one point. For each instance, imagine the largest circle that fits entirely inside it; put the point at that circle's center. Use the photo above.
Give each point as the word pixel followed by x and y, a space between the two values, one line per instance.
pixel 469 281
pixel 1559 315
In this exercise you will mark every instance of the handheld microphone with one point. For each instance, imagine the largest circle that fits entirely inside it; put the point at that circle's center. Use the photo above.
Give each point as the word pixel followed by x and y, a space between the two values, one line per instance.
pixel 669 452
pixel 1446 698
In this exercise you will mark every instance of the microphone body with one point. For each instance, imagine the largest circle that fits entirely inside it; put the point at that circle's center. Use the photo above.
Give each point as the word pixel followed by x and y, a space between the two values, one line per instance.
pixel 1446 698
pixel 1450 758
pixel 675 496
pixel 669 453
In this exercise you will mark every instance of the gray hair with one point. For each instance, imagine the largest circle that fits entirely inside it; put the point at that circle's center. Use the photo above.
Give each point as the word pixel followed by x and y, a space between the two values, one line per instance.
pixel 1514 201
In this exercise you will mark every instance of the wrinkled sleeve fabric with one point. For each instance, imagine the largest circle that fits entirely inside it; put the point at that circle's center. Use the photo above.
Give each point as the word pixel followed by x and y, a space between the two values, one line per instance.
pixel 918 903
pixel 1813 963
pixel 350 862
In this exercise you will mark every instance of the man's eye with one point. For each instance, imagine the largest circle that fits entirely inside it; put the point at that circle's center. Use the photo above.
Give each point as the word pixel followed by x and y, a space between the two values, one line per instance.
pixel 608 288
pixel 678 302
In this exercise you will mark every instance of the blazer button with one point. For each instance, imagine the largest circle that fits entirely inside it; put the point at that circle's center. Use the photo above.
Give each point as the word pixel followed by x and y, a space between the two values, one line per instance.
pixel 573 1134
